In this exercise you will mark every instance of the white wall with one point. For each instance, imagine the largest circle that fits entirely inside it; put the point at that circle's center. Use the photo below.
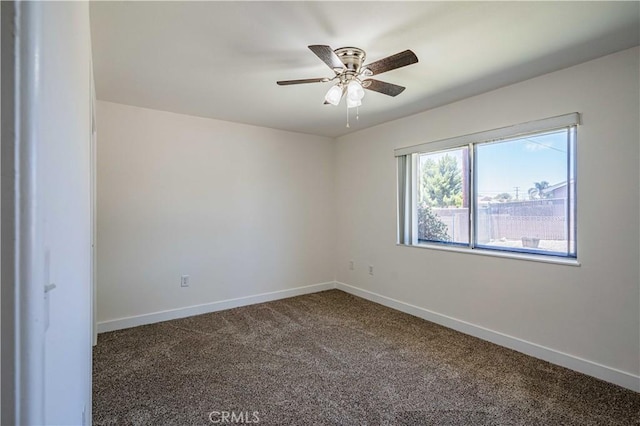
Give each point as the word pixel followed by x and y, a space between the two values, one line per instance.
pixel 243 210
pixel 590 312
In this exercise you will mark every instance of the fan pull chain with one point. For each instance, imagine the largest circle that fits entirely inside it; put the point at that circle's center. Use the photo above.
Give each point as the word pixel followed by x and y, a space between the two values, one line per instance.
pixel 348 117
pixel 357 113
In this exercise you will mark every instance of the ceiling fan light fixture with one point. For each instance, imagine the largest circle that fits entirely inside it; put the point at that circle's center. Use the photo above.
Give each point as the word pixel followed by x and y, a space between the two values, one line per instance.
pixel 352 103
pixel 334 95
pixel 355 92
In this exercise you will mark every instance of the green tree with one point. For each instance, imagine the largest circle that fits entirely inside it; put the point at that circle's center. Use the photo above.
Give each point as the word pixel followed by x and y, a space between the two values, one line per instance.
pixel 537 192
pixel 430 227
pixel 441 182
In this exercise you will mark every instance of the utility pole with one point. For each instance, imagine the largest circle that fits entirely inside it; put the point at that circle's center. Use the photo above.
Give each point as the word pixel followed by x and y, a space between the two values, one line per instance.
pixel 517 188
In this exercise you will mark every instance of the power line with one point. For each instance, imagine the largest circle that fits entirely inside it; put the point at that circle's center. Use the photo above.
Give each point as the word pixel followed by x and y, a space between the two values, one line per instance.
pixel 544 145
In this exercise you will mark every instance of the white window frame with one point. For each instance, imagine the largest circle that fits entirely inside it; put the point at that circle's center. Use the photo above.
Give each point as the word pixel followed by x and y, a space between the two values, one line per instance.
pixel 407 186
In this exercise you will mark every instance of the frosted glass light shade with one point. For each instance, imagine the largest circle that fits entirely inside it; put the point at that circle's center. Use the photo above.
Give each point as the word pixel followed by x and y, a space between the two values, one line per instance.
pixel 334 95
pixel 355 91
pixel 353 103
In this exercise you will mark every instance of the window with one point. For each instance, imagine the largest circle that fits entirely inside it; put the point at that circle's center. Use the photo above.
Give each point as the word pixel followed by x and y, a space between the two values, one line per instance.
pixel 510 189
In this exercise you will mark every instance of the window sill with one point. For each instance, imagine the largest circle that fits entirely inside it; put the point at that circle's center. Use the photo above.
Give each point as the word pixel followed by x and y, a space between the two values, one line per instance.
pixel 508 255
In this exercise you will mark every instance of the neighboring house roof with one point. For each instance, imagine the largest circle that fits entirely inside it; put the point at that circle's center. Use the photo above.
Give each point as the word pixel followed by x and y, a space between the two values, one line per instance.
pixel 556 186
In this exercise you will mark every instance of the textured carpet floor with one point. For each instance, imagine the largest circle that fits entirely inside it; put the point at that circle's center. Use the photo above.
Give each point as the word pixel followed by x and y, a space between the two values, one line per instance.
pixel 334 359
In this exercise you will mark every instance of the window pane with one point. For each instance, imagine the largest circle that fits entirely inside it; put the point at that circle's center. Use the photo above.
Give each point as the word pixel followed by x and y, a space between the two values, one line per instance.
pixel 443 197
pixel 522 198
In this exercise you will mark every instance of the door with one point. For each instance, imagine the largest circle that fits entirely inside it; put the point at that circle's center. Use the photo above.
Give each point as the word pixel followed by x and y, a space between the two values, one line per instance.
pixel 48 246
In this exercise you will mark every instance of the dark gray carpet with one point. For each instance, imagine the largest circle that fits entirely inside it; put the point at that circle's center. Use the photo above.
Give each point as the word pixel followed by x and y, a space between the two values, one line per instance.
pixel 334 359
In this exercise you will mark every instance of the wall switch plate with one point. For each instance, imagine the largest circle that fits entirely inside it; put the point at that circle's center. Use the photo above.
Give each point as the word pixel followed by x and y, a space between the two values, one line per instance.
pixel 184 281
pixel 352 265
pixel 370 269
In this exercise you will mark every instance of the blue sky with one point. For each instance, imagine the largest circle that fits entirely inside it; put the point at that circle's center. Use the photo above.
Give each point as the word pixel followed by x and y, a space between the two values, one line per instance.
pixel 520 162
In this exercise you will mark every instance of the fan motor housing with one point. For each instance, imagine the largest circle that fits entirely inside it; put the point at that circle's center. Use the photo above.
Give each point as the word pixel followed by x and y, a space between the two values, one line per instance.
pixel 351 57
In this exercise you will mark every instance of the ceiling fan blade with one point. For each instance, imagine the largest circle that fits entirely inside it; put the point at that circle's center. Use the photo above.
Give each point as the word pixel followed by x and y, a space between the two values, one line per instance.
pixel 382 87
pixel 392 62
pixel 303 81
pixel 328 56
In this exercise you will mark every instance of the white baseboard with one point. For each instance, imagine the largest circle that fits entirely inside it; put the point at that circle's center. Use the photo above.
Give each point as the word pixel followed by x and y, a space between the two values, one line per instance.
pixel 608 374
pixel 134 321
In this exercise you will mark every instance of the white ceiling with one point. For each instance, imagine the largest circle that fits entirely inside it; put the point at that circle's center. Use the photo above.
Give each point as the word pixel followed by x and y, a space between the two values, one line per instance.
pixel 222 59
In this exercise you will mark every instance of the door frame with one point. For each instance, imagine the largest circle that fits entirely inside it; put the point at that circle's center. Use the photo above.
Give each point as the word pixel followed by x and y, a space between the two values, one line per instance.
pixel 23 326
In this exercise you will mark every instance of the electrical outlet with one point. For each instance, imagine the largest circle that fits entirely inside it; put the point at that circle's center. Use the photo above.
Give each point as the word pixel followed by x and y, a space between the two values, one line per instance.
pixel 184 281
pixel 352 265
pixel 370 269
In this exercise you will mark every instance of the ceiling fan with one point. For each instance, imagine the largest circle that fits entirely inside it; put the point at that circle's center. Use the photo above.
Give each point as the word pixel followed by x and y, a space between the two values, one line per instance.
pixel 352 76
